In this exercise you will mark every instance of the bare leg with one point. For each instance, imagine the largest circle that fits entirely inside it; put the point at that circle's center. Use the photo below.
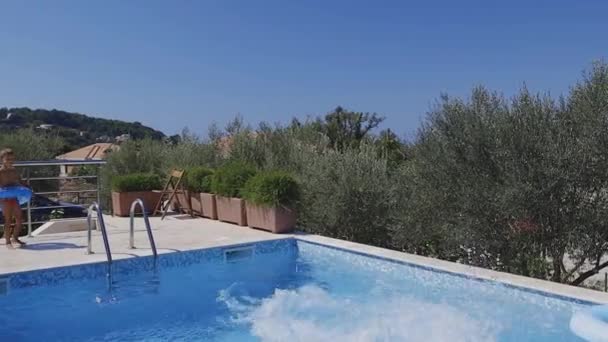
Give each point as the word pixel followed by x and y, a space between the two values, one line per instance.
pixel 18 222
pixel 8 221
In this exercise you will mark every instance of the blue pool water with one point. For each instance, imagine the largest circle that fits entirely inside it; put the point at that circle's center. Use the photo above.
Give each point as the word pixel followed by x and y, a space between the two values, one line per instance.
pixel 286 290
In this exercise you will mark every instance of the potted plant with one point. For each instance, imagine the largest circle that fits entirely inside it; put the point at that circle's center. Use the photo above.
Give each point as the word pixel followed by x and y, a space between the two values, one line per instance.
pixel 201 198
pixel 128 188
pixel 271 201
pixel 227 183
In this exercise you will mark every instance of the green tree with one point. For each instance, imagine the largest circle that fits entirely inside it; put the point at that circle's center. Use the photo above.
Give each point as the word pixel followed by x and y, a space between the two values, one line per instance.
pixel 31 145
pixel 518 185
pixel 346 129
pixel 391 147
pixel 347 195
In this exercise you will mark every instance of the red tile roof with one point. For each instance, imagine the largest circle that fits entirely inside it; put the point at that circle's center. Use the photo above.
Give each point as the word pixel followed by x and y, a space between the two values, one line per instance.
pixel 92 152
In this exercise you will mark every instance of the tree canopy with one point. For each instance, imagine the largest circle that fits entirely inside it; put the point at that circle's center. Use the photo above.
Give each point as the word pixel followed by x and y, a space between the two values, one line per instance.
pixel 519 185
pixel 76 129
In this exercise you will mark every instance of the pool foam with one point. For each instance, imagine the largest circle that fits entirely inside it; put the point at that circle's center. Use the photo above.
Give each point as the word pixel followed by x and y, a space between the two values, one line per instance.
pixel 311 313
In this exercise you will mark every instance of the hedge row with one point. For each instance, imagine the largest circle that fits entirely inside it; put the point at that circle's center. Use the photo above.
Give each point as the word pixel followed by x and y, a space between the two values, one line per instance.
pixel 267 188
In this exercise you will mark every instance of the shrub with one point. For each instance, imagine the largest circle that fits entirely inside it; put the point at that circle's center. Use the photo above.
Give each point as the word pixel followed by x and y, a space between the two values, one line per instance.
pixel 190 152
pixel 272 189
pixel 31 145
pixel 142 156
pixel 348 195
pixel 198 179
pixel 136 182
pixel 230 179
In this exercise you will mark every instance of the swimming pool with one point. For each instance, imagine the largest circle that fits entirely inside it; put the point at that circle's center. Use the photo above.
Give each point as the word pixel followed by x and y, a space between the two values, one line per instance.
pixel 282 290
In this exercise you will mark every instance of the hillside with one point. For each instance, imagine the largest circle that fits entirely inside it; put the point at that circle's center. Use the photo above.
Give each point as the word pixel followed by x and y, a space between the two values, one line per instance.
pixel 76 129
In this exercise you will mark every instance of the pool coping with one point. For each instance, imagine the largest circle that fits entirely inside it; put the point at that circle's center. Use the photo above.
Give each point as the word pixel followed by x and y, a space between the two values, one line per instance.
pixel 540 286
pixel 103 270
pixel 132 257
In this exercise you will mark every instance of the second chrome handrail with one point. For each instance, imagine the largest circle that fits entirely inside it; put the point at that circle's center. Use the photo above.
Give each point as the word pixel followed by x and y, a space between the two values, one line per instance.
pixel 146 222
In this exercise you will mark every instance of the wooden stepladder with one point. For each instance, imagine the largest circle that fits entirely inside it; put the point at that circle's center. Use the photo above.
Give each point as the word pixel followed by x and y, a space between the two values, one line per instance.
pixel 174 186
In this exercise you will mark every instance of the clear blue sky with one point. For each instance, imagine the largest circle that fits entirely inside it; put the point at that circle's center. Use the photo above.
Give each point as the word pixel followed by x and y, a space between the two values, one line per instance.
pixel 176 64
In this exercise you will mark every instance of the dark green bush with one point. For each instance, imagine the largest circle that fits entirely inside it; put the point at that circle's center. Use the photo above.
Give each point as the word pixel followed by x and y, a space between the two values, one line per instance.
pixel 230 179
pixel 348 195
pixel 198 179
pixel 136 182
pixel 272 189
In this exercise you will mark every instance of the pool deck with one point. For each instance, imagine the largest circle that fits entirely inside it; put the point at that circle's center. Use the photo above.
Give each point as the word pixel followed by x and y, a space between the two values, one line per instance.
pixel 182 233
pixel 174 233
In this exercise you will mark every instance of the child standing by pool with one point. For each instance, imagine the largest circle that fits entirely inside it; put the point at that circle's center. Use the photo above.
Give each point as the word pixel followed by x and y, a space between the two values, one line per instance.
pixel 10 207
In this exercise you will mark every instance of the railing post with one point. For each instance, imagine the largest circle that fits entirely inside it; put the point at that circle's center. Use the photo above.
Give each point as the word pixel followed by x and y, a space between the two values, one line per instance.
pixel 89 228
pixel 29 204
pixel 97 183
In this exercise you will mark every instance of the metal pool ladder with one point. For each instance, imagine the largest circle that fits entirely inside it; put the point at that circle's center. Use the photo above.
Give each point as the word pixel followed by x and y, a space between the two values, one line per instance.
pixel 102 227
pixel 147 223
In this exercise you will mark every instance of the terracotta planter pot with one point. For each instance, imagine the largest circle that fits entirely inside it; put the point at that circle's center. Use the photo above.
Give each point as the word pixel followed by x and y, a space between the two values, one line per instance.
pixel 203 204
pixel 276 220
pixel 230 209
pixel 195 203
pixel 182 202
pixel 121 201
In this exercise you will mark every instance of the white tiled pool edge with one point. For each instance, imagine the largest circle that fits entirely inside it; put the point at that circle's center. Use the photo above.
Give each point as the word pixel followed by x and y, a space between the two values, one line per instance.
pixel 470 271
pixel 171 235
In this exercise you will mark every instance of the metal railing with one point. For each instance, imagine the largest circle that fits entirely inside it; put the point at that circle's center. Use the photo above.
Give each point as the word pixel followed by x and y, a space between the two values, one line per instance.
pixel 32 180
pixel 146 222
pixel 102 226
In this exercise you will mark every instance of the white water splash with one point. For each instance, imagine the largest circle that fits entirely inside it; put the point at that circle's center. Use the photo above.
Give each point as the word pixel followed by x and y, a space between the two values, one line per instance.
pixel 312 314
pixel 589 327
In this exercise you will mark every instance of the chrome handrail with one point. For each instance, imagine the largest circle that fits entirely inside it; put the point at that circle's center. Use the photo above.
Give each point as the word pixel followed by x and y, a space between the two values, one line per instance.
pixel 102 227
pixel 147 223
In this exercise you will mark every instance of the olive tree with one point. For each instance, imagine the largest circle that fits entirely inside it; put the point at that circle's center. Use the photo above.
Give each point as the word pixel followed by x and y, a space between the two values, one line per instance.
pixel 517 185
pixel 348 195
